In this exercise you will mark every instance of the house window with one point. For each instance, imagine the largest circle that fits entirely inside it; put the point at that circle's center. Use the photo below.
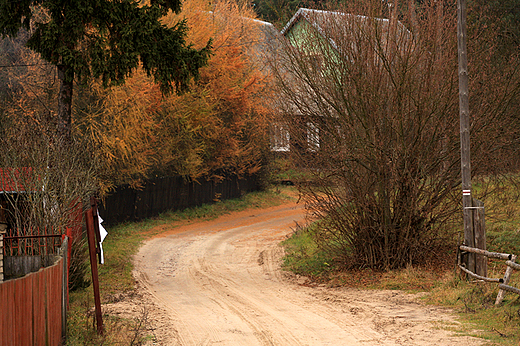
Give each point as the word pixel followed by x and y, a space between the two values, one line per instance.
pixel 280 137
pixel 313 137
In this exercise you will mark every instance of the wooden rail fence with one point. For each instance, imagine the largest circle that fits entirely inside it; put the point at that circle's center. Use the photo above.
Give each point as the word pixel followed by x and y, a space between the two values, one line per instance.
pixel 503 283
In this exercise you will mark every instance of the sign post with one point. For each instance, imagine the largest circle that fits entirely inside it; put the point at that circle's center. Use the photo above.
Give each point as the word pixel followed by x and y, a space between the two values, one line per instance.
pixel 93 250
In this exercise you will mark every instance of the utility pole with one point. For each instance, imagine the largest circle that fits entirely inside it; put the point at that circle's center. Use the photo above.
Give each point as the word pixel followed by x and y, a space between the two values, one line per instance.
pixel 469 238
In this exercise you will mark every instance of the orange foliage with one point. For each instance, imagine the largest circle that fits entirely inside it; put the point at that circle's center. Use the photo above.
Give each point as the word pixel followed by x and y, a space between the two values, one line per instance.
pixel 134 131
pixel 120 126
pixel 224 114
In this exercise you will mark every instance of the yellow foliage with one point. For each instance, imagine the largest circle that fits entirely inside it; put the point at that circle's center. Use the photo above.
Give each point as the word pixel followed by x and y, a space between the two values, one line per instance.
pixel 119 123
pixel 220 125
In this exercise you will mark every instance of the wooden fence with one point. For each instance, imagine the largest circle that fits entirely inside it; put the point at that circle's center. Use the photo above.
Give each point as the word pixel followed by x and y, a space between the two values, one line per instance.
pixel 502 282
pixel 170 193
pixel 28 250
pixel 33 308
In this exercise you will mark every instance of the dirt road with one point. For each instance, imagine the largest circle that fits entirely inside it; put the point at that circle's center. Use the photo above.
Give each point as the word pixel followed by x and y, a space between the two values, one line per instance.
pixel 219 283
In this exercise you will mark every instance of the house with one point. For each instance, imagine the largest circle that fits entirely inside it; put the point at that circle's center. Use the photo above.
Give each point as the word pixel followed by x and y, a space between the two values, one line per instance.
pixel 13 183
pixel 29 242
pixel 318 45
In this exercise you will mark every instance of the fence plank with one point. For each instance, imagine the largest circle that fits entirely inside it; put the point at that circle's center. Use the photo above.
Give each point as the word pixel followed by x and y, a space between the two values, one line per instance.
pixel 513 265
pixel 479 228
pixel 7 311
pixel 509 288
pixel 65 286
pixel 38 294
pixel 55 299
pixel 22 319
pixel 507 276
pixel 4 299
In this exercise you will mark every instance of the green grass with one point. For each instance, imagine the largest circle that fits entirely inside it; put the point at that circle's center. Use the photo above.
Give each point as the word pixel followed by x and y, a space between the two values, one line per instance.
pixel 281 169
pixel 115 276
pixel 303 255
pixel 472 301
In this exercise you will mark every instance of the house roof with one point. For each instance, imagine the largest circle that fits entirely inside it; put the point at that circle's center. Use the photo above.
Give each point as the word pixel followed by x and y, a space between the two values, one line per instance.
pixel 320 19
pixel 16 180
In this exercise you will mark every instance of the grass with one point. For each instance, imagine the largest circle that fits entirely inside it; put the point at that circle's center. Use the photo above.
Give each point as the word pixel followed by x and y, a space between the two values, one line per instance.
pixel 474 302
pixel 304 257
pixel 115 276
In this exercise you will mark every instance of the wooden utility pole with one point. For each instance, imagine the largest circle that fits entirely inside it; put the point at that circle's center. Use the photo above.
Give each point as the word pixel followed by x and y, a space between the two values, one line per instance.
pixel 469 239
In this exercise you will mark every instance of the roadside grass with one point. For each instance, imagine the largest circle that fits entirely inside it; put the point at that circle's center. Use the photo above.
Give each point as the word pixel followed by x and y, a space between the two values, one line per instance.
pixel 442 284
pixel 115 276
pixel 284 170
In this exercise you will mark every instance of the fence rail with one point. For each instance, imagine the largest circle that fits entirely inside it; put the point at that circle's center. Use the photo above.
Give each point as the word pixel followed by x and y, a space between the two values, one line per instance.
pixel 31 242
pixel 503 282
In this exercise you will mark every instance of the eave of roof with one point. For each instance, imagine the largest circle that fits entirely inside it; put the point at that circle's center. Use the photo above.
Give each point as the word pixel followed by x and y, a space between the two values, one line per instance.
pixel 307 13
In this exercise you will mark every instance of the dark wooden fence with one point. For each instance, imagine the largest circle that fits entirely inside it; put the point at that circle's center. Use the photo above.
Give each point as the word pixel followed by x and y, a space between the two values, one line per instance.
pixel 170 193
pixel 32 308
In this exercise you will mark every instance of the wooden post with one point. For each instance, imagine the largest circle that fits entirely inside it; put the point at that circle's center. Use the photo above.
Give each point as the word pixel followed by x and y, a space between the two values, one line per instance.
pixel 465 159
pixel 479 227
pixel 93 205
pixel 93 265
pixel 65 287
pixel 507 276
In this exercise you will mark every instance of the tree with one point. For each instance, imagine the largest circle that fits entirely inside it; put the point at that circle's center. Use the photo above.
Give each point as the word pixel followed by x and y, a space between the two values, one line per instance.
pixel 120 127
pixel 134 131
pixel 277 12
pixel 220 125
pixel 372 106
pixel 106 39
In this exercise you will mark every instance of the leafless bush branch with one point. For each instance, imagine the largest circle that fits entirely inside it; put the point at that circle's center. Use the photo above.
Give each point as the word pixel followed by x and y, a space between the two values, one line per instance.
pixel 372 108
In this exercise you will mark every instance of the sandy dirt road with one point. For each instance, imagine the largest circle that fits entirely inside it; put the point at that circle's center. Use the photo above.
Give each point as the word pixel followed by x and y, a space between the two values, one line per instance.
pixel 220 283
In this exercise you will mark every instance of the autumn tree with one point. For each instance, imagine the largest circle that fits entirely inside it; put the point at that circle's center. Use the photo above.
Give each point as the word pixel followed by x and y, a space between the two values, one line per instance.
pixel 372 108
pixel 220 125
pixel 50 183
pixel 106 39
pixel 134 131
pixel 120 127
pixel 217 127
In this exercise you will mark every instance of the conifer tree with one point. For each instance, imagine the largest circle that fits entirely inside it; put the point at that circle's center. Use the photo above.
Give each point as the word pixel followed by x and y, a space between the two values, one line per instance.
pixel 106 39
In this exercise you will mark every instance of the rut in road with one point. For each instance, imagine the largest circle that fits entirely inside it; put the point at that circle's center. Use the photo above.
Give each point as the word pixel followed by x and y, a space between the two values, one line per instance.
pixel 219 282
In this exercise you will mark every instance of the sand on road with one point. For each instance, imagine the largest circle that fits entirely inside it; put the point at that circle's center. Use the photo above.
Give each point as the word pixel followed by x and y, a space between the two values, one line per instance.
pixel 219 282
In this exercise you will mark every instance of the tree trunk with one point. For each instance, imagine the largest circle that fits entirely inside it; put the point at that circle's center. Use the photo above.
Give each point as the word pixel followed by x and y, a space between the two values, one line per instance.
pixel 64 121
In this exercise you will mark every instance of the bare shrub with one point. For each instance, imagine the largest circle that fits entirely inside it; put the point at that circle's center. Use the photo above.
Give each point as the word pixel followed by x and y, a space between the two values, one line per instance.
pixel 372 108
pixel 45 184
